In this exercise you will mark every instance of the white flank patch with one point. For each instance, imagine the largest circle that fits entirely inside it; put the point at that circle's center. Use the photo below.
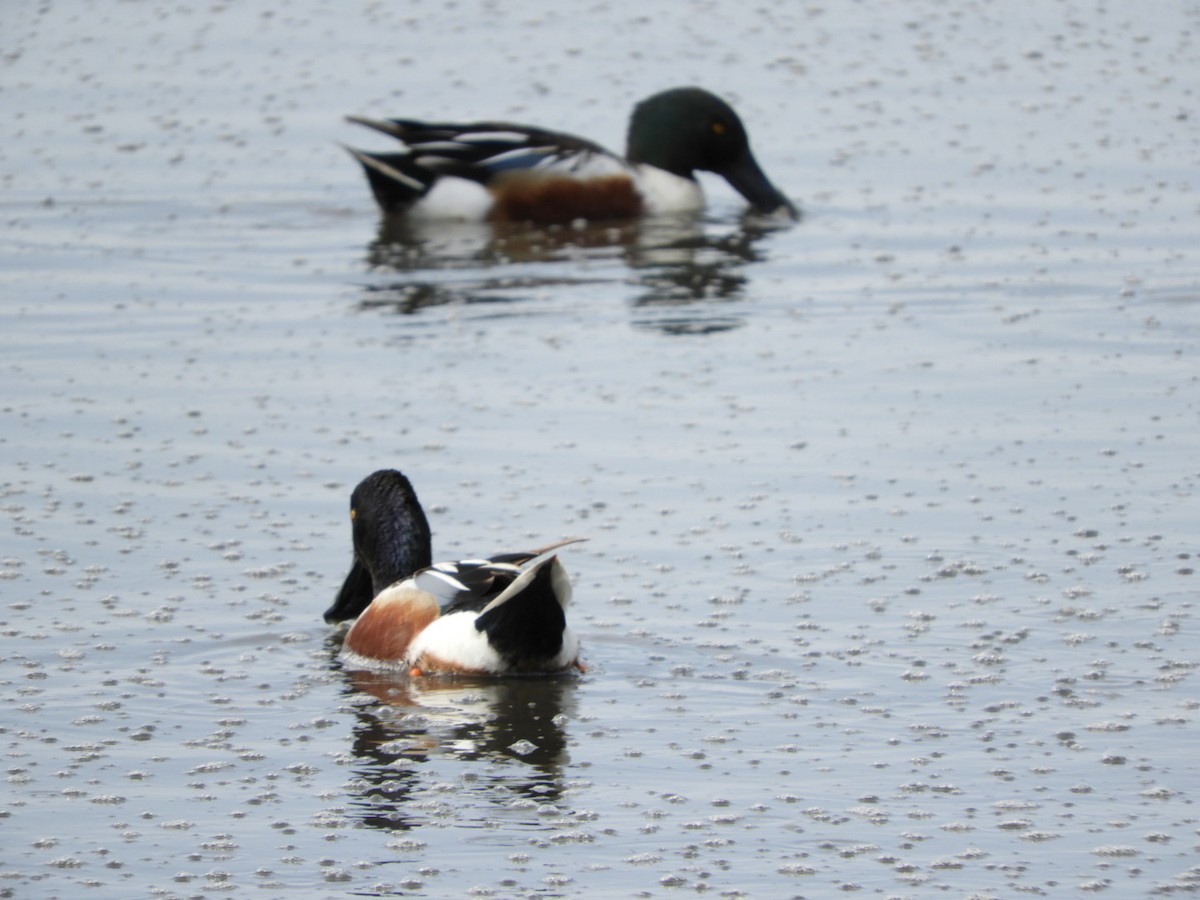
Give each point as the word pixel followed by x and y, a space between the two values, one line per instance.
pixel 454 198
pixel 454 639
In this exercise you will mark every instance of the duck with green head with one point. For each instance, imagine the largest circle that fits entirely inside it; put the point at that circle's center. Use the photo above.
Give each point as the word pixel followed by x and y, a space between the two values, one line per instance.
pixel 502 171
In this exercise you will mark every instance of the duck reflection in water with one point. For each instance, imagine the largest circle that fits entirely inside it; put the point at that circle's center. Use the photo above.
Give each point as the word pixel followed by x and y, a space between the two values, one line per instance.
pixel 687 275
pixel 516 726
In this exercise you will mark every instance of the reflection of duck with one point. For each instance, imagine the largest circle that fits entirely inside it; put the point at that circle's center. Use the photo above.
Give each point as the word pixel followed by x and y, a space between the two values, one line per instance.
pixel 517 723
pixel 689 283
pixel 687 274
pixel 480 616
pixel 518 718
pixel 506 172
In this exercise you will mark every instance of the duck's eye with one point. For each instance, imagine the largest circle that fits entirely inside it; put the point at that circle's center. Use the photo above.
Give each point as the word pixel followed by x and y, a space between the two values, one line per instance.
pixel 719 128
pixel 353 514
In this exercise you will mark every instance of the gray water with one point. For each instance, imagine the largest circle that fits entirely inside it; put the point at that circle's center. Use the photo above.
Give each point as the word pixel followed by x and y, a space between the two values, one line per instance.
pixel 889 586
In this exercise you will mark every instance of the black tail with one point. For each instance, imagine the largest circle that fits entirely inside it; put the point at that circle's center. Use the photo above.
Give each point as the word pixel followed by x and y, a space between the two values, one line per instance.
pixel 396 181
pixel 527 627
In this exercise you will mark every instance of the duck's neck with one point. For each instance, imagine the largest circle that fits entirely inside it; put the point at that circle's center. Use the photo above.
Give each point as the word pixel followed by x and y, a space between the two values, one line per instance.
pixel 403 548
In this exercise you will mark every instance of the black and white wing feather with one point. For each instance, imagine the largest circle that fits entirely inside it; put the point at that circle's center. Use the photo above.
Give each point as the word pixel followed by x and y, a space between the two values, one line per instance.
pixel 471 584
pixel 476 151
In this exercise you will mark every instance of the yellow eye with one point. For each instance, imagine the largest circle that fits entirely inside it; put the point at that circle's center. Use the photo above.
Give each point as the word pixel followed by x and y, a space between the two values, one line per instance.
pixel 719 128
pixel 353 514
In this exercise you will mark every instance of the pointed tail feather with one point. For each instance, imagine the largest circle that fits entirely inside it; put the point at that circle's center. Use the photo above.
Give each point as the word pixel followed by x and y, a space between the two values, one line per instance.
pixel 520 557
pixel 396 181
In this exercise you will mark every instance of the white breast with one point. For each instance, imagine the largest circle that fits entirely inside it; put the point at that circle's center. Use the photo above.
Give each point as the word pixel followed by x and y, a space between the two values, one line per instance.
pixel 665 193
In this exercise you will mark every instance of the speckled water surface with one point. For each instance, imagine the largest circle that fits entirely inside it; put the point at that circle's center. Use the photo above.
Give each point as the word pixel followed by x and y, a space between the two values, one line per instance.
pixel 893 522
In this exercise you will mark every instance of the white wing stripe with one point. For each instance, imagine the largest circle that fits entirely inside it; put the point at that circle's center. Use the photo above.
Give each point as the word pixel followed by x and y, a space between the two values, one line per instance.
pixel 512 137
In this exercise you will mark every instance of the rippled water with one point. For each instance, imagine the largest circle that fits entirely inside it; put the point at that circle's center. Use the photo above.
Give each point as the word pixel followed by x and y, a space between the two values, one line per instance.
pixel 890 582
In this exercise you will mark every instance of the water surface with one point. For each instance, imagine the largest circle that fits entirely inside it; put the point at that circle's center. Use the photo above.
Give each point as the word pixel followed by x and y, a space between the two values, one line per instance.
pixel 890 582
